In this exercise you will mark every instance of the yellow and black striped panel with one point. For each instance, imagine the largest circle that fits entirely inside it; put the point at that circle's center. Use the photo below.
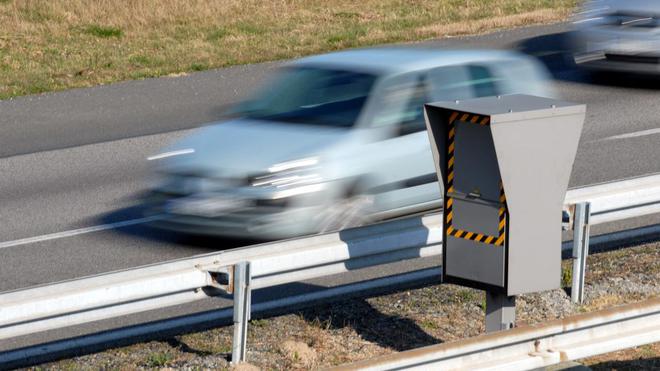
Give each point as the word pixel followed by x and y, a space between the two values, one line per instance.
pixel 473 236
pixel 449 202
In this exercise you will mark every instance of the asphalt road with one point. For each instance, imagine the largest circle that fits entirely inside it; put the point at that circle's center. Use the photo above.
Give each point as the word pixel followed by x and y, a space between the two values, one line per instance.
pixel 73 163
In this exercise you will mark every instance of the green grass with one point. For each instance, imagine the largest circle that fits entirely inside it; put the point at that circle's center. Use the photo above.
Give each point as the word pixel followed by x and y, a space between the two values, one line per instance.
pixel 258 322
pixel 468 295
pixel 159 359
pixel 430 325
pixel 199 67
pixel 566 275
pixel 101 31
pixel 217 34
pixel 54 45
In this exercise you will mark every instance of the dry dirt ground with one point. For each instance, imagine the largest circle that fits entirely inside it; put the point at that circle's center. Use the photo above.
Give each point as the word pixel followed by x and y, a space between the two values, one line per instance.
pixel 362 328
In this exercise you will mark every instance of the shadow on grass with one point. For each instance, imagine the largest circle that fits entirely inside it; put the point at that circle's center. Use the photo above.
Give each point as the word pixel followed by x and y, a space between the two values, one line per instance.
pixel 389 331
pixel 182 346
pixel 633 364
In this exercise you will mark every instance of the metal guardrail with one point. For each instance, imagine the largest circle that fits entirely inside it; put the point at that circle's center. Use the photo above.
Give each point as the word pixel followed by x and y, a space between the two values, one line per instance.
pixel 176 282
pixel 534 347
pixel 99 341
pixel 239 271
pixel 619 200
pixel 604 203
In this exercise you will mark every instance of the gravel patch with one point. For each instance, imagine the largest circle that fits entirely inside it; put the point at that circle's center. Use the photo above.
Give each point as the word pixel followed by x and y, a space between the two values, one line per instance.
pixel 358 329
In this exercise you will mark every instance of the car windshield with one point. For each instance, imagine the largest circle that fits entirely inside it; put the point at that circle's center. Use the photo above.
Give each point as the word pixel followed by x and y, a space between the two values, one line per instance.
pixel 314 96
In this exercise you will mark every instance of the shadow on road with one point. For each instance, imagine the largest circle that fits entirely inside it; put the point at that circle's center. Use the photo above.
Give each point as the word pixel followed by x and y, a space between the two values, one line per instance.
pixel 146 232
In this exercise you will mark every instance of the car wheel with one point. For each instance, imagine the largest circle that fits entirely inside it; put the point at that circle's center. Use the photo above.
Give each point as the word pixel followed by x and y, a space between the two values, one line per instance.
pixel 352 211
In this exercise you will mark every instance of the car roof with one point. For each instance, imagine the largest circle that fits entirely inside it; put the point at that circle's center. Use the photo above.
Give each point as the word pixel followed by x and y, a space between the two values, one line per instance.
pixel 402 59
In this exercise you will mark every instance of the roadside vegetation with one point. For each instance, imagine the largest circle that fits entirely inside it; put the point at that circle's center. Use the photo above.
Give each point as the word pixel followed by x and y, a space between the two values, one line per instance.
pixel 53 45
pixel 361 328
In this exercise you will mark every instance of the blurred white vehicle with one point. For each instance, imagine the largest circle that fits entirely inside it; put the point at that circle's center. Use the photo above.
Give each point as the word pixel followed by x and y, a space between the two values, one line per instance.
pixel 334 141
pixel 618 35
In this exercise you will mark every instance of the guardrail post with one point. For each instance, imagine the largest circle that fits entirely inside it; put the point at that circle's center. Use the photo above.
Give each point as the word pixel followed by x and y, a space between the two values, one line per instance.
pixel 242 301
pixel 580 249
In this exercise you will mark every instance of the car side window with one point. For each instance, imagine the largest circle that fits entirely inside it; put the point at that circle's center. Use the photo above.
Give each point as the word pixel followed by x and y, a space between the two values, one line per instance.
pixel 483 82
pixel 401 104
pixel 462 82
pixel 450 83
pixel 521 76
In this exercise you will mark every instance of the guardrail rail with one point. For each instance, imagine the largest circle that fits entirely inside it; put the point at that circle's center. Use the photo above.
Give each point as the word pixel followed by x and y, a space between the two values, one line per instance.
pixel 534 347
pixel 239 271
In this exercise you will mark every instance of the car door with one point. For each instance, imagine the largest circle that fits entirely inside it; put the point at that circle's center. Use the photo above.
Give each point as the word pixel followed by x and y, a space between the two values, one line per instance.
pixel 406 177
pixel 446 83
pixel 396 166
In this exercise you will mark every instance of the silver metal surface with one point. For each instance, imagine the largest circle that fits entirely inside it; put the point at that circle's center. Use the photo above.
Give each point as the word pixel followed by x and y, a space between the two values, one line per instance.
pixel 496 155
pixel 242 303
pixel 537 347
pixel 483 265
pixel 500 312
pixel 176 282
pixel 69 347
pixel 536 149
pixel 619 200
pixel 99 297
pixel 580 250
pixel 476 164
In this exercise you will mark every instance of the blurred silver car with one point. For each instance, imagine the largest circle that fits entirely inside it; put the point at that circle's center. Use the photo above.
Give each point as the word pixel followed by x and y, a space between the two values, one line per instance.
pixel 334 141
pixel 618 35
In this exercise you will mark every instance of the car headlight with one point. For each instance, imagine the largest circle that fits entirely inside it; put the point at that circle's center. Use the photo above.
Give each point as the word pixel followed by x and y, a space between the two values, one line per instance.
pixel 295 164
pixel 291 178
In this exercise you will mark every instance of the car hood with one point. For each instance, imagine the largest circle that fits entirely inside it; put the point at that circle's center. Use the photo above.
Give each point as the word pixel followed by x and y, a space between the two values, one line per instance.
pixel 246 147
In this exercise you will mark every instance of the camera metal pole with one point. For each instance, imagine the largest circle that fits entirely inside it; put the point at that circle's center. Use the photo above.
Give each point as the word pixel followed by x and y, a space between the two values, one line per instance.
pixel 500 311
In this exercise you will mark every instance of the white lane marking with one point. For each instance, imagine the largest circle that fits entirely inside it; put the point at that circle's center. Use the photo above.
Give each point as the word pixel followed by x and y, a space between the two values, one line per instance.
pixel 75 232
pixel 170 154
pixel 632 135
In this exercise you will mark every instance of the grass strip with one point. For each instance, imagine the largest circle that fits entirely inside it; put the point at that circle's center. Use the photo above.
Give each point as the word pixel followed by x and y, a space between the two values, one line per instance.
pixel 54 45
